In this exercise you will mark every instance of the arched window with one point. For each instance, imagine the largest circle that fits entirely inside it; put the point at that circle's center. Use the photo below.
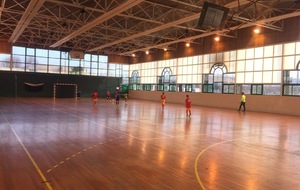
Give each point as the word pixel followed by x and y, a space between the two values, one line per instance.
pixel 291 82
pixel 134 81
pixel 218 81
pixel 217 70
pixel 167 81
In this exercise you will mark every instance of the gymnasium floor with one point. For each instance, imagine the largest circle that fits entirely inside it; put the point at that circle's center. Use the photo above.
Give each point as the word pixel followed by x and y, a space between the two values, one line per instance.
pixel 64 144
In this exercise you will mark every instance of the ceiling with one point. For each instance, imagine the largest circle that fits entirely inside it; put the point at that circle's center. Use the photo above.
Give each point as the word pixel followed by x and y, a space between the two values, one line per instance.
pixel 123 27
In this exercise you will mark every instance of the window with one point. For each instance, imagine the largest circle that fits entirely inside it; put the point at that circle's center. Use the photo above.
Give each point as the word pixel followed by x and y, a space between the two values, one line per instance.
pixel 291 90
pixel 149 87
pixel 64 63
pixel 18 58
pixel 246 88
pixel 291 82
pixel 207 88
pixel 30 60
pixel 228 88
pixel 172 87
pixel 160 87
pixel 54 61
pixel 125 74
pixel 4 61
pixel 271 89
pixel 74 67
pixel 228 83
pixel 207 85
pixel 214 82
pixel 134 81
pixel 257 89
pixel 86 64
pixel 167 81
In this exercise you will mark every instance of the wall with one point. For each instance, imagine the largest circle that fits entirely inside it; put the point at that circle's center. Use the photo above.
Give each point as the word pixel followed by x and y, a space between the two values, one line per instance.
pixel 259 103
pixel 12 84
pixel 245 38
pixel 118 59
pixel 5 47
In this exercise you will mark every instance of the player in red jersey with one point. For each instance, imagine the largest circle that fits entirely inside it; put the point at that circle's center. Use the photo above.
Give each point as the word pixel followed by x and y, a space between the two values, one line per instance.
pixel 163 99
pixel 108 95
pixel 95 97
pixel 188 106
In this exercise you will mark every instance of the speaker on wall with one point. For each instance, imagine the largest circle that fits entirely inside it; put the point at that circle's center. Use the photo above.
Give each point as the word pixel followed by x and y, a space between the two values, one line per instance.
pixel 212 16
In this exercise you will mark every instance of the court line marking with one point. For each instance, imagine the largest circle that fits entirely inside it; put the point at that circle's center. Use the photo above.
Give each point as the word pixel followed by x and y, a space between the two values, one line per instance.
pixel 200 154
pixel 79 153
pixel 30 157
pixel 196 162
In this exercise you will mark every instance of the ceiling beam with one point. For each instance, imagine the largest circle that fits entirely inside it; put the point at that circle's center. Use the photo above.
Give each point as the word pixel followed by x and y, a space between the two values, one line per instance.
pixel 195 16
pixel 2 7
pixel 259 22
pixel 162 27
pixel 237 3
pixel 29 13
pixel 119 9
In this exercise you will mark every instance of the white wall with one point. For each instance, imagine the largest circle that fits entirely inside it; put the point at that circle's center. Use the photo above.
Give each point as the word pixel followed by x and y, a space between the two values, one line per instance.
pixel 259 103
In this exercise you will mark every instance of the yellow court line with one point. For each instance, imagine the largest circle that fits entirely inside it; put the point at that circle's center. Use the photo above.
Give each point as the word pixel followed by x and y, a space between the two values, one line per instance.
pixel 78 153
pixel 196 161
pixel 33 162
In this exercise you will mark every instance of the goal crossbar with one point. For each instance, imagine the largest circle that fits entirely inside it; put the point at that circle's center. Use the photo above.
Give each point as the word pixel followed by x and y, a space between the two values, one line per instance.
pixel 63 84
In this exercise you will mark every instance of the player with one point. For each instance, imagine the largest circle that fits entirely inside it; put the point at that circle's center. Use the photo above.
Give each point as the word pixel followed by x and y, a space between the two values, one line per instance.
pixel 95 97
pixel 163 100
pixel 243 102
pixel 125 97
pixel 188 106
pixel 78 94
pixel 108 95
pixel 118 99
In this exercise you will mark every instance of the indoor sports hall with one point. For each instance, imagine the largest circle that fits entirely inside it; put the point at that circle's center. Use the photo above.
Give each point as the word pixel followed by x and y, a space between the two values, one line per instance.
pixel 149 95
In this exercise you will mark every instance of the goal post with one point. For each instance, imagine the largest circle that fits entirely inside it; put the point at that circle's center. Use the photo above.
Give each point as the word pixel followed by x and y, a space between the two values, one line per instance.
pixel 64 90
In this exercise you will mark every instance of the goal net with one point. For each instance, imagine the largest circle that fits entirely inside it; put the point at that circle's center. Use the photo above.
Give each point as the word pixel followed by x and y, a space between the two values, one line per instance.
pixel 64 90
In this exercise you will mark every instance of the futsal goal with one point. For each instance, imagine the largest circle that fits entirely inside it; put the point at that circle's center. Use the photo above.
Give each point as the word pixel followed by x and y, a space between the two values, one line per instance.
pixel 64 90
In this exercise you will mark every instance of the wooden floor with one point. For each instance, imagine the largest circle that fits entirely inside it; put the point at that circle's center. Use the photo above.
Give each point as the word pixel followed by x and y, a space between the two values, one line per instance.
pixel 65 144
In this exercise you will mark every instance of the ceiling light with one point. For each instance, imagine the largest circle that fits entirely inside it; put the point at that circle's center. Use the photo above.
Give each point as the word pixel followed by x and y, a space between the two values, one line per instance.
pixel 133 55
pixel 256 31
pixel 147 52
pixel 187 44
pixel 217 38
pixel 165 49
